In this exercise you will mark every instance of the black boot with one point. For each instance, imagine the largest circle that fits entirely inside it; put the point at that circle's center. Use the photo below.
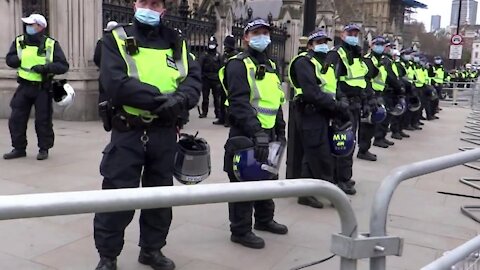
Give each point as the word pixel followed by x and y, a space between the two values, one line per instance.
pixel 397 136
pixel 388 142
pixel 348 189
pixel 248 240
pixel 310 201
pixel 202 115
pixel 107 263
pixel 271 226
pixel 409 128
pixel 15 153
pixel 367 156
pixel 380 143
pixel 42 154
pixel 219 122
pixel 403 134
pixel 351 182
pixel 156 259
pixel 417 127
pixel 421 123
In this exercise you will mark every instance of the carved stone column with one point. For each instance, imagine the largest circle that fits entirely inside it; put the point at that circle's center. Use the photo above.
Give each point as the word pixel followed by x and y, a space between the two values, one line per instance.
pixel 77 25
pixel 11 12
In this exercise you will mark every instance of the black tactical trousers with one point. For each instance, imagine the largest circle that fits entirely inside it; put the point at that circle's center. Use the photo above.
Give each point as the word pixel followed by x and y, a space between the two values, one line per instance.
pixel 29 94
pixel 240 213
pixel 126 163
pixel 215 87
pixel 381 129
pixel 317 161
pixel 366 132
pixel 343 165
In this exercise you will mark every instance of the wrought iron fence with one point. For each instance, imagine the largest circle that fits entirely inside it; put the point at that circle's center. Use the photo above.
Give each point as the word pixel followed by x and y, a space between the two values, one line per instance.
pixel 278 35
pixel 195 27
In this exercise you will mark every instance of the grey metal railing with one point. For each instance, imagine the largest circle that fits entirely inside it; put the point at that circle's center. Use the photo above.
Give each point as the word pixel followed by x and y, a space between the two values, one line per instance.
pixel 66 203
pixel 349 245
pixel 461 93
pixel 466 256
pixel 384 194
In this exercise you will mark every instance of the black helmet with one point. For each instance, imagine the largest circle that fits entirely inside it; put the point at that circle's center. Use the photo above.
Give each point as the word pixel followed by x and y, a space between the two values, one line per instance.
pixel 229 42
pixel 341 139
pixel 246 167
pixel 212 43
pixel 414 103
pixel 192 160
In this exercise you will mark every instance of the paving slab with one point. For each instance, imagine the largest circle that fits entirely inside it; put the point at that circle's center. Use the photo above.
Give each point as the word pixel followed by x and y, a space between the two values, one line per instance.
pixel 199 237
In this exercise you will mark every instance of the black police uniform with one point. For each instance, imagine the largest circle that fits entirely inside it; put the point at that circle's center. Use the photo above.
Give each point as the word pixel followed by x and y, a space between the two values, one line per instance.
pixel 34 93
pixel 223 117
pixel 393 91
pixel 97 58
pixel 129 159
pixel 210 63
pixel 315 109
pixel 356 96
pixel 244 122
pixel 408 119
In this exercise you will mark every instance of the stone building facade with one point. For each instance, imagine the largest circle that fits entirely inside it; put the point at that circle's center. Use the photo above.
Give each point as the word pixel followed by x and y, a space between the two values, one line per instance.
pixel 78 24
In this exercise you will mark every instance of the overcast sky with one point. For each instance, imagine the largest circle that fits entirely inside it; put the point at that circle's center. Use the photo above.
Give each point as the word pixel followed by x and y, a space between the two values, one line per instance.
pixel 436 7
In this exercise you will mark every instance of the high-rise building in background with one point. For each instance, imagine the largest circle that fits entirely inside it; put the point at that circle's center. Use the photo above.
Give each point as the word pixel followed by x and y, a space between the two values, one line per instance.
pixel 468 15
pixel 435 23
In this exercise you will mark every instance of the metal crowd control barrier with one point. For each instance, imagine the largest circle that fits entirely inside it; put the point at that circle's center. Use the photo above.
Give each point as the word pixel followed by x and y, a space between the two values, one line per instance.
pixel 463 94
pixel 66 203
pixel 348 244
pixel 383 196
pixel 464 257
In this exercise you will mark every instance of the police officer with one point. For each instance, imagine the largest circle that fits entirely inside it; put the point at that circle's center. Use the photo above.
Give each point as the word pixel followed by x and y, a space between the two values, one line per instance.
pixel 440 76
pixel 350 71
pixel 37 59
pixel 150 77
pixel 393 92
pixel 211 62
pixel 376 68
pixel 229 51
pixel 97 57
pixel 315 96
pixel 255 98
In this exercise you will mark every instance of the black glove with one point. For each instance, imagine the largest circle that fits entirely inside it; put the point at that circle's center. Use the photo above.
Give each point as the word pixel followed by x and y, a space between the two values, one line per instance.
pixel 40 69
pixel 261 141
pixel 171 105
pixel 341 105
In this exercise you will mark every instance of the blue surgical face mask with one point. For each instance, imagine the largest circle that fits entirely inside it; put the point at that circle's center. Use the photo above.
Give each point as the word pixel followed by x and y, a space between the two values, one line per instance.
pixel 416 59
pixel 147 16
pixel 378 49
pixel 438 62
pixel 30 30
pixel 259 43
pixel 407 57
pixel 351 40
pixel 321 48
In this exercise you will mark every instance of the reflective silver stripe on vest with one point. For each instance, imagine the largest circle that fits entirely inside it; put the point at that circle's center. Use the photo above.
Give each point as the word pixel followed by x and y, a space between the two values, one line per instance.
pixel 378 81
pixel 132 67
pixel 49 51
pixel 19 48
pixel 256 97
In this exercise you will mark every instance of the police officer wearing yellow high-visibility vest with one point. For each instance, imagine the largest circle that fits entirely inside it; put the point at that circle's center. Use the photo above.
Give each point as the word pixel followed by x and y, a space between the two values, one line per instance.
pixel 376 69
pixel 316 103
pixel 255 98
pixel 440 75
pixel 151 79
pixel 351 72
pixel 37 59
pixel 387 92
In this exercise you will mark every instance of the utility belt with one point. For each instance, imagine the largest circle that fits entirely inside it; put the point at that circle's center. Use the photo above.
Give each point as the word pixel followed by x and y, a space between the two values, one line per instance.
pixel 123 121
pixel 40 85
pixel 303 107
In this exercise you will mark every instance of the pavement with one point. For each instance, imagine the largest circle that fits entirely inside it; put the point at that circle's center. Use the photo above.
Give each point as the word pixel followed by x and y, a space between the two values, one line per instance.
pixel 430 223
